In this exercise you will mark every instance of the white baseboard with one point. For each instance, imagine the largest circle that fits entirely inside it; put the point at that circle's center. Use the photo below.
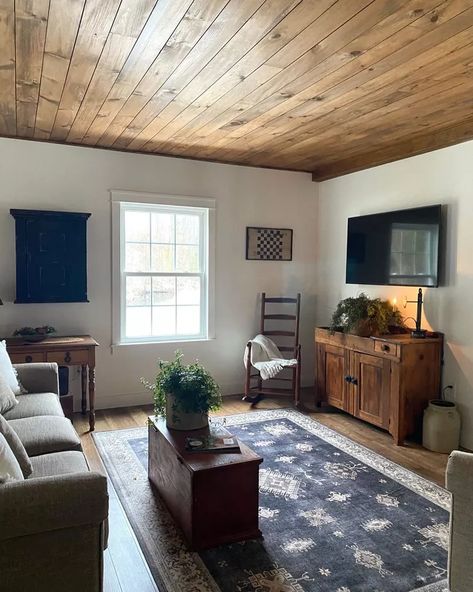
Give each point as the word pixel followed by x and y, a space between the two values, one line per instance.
pixel 146 397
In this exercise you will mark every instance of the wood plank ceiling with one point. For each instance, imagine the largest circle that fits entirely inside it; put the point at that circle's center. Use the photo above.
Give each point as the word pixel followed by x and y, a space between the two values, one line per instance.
pixel 326 86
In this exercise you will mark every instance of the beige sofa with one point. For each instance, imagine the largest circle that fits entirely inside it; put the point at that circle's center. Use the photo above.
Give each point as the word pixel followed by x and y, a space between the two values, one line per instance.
pixel 52 524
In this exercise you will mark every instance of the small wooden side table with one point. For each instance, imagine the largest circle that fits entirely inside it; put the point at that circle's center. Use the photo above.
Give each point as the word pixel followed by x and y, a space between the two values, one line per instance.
pixel 75 350
pixel 212 496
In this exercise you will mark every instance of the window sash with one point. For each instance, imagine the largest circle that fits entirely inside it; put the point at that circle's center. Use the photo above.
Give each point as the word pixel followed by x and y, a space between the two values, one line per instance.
pixel 203 214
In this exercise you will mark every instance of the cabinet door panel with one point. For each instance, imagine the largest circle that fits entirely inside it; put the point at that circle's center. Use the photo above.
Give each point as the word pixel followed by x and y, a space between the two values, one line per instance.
pixel 331 385
pixel 372 389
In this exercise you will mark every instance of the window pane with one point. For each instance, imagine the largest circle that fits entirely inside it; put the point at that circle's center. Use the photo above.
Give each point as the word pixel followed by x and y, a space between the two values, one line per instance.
pixel 138 291
pixel 162 257
pixel 164 321
pixel 188 290
pixel 138 321
pixel 187 229
pixel 137 226
pixel 187 258
pixel 162 228
pixel 137 257
pixel 164 290
pixel 188 320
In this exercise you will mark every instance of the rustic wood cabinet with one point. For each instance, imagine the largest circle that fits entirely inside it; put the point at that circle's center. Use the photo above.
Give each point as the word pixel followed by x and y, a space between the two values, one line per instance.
pixel 386 381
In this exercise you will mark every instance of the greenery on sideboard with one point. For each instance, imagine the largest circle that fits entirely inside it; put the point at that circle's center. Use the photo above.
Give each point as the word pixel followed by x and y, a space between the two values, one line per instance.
pixel 193 388
pixel 365 316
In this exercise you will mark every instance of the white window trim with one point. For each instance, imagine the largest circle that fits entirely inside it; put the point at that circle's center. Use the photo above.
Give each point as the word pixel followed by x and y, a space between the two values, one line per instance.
pixel 118 197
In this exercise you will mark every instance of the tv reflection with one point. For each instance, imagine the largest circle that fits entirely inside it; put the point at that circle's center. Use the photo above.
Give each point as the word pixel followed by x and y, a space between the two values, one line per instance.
pixel 413 254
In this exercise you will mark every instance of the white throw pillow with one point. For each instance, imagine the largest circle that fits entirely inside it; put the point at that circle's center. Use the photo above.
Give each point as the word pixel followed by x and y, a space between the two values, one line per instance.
pixel 9 468
pixel 8 372
pixel 7 398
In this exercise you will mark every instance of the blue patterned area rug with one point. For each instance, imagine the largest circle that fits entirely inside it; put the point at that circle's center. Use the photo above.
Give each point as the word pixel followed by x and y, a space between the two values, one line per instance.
pixel 336 517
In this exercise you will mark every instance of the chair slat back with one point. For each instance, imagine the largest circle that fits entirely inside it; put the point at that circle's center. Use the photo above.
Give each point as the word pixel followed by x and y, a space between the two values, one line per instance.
pixel 291 320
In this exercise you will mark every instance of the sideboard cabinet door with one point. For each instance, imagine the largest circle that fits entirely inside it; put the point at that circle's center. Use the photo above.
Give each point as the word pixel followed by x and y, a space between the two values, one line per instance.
pixel 331 385
pixel 371 386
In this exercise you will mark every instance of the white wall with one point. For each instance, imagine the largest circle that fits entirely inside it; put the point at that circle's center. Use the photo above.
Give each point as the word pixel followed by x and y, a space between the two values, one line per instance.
pixel 47 176
pixel 446 177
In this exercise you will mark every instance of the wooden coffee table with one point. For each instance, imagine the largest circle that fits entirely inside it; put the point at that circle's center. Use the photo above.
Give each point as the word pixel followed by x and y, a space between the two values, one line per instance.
pixel 212 496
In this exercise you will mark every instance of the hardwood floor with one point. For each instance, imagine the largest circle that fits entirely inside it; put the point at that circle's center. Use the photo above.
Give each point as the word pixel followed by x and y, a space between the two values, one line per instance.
pixel 125 569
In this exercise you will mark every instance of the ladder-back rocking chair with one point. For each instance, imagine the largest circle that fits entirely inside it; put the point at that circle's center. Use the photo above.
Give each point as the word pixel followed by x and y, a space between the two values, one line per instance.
pixel 287 341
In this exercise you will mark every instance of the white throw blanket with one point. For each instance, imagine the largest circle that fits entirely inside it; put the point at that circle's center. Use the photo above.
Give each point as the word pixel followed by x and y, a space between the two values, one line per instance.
pixel 266 357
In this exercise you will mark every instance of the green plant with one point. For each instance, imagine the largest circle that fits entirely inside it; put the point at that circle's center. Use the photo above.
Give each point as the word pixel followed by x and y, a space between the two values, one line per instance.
pixel 366 316
pixel 193 388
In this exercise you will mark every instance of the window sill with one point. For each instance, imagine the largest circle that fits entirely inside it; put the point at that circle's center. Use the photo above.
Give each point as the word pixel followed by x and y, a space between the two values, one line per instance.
pixel 170 341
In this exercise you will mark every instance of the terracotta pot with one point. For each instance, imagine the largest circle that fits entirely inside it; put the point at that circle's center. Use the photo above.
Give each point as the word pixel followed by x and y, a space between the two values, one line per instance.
pixel 180 420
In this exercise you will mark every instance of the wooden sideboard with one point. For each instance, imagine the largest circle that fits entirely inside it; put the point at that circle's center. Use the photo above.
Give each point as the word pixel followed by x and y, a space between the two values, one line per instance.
pixel 386 381
pixel 77 350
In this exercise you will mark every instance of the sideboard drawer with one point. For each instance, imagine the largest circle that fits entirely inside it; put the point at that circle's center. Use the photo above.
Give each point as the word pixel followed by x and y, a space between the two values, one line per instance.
pixel 72 357
pixel 387 349
pixel 26 358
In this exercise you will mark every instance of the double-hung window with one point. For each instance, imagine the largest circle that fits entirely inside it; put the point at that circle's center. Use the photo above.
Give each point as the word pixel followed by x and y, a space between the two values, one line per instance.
pixel 164 279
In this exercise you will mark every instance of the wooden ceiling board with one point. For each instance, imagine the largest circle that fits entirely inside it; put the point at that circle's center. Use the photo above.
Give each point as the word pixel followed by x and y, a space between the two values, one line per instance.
pixel 347 109
pixel 7 68
pixel 261 97
pixel 404 59
pixel 324 86
pixel 381 59
pixel 197 20
pixel 345 62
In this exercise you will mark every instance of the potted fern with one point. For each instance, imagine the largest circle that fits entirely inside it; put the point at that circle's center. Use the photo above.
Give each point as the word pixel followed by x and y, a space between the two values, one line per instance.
pixel 184 394
pixel 366 316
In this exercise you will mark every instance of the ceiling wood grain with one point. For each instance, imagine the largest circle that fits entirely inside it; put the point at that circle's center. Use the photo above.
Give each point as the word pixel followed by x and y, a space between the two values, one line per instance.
pixel 324 86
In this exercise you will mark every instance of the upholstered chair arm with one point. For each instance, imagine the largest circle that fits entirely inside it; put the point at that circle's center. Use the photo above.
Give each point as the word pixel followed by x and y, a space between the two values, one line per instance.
pixel 460 484
pixel 52 503
pixel 39 377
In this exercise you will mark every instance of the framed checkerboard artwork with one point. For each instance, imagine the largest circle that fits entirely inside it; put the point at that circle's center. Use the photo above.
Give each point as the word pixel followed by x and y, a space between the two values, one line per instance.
pixel 268 244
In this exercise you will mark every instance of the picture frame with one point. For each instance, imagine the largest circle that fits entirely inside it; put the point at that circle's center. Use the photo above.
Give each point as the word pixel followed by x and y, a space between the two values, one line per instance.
pixel 268 244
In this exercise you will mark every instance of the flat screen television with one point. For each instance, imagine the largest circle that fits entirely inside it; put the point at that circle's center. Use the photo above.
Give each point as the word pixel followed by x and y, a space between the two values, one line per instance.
pixel 398 248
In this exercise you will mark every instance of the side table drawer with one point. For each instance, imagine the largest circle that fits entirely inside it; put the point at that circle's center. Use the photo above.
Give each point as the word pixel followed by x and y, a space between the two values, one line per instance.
pixel 71 357
pixel 26 358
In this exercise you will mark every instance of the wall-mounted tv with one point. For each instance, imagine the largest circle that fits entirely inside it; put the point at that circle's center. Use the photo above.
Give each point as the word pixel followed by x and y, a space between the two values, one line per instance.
pixel 398 248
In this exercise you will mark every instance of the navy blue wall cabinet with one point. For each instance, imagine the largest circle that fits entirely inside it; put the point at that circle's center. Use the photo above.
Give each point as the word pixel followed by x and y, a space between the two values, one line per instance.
pixel 51 256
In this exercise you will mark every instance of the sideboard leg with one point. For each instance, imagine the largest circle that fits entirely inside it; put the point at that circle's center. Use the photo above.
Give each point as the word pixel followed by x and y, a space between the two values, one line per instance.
pixel 92 398
pixel 84 390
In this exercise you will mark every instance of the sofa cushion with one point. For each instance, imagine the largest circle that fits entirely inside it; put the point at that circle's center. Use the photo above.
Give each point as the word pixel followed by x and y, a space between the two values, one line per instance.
pixel 32 405
pixel 59 463
pixel 44 434
pixel 9 467
pixel 7 397
pixel 16 446
pixel 7 370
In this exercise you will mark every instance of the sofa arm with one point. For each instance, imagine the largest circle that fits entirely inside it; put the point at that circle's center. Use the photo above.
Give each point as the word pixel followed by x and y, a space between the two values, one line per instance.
pixel 460 552
pixel 52 503
pixel 460 474
pixel 41 377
